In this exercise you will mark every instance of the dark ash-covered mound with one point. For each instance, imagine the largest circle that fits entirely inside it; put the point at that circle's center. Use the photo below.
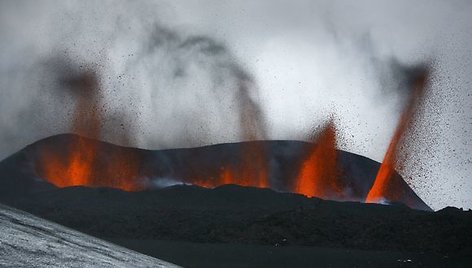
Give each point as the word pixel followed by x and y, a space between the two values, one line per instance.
pixel 245 215
pixel 21 173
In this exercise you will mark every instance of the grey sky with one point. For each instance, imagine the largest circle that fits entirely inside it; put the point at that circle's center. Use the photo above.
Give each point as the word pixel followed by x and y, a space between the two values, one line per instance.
pixel 305 60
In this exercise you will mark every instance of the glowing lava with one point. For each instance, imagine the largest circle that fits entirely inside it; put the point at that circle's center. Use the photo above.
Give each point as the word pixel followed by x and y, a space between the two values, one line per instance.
pixel 250 170
pixel 318 174
pixel 79 162
pixel 382 188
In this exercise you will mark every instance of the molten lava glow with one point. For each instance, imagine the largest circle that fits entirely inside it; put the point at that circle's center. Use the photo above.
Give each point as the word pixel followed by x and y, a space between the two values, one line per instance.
pixel 226 177
pixel 75 169
pixel 318 174
pixel 381 189
pixel 79 163
pixel 253 166
pixel 250 171
pixel 317 177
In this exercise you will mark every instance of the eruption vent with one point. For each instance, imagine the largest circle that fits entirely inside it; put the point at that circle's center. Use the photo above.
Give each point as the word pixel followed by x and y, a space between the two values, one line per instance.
pixel 79 163
pixel 318 173
pixel 253 163
pixel 382 188
pixel 251 169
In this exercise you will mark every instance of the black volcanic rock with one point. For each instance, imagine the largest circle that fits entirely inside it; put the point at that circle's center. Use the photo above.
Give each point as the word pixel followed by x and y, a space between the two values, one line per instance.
pixel 20 173
pixel 18 176
pixel 246 215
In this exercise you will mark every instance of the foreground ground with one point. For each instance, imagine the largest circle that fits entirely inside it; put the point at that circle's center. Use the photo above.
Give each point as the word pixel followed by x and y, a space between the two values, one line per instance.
pixel 245 215
pixel 234 226
pixel 213 255
pixel 28 241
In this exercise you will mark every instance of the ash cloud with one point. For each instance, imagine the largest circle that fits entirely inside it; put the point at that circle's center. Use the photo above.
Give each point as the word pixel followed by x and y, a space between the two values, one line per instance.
pixel 228 95
pixel 397 78
pixel 156 87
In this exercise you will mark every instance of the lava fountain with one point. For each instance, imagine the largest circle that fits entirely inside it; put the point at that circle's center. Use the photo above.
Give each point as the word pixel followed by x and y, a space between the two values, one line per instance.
pixel 85 161
pixel 251 169
pixel 382 188
pixel 82 161
pixel 318 173
pixel 253 166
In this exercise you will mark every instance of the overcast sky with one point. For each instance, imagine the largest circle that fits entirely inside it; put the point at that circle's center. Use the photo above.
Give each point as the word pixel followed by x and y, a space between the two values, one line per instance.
pixel 171 71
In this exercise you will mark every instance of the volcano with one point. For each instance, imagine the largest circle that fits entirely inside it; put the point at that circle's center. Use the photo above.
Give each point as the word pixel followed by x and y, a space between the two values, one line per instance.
pixel 29 170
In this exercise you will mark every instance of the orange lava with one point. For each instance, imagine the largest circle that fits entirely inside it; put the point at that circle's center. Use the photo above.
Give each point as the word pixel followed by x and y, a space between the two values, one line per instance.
pixel 381 188
pixel 75 169
pixel 226 177
pixel 318 174
pixel 253 166
pixel 249 171
pixel 78 163
pixel 252 169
